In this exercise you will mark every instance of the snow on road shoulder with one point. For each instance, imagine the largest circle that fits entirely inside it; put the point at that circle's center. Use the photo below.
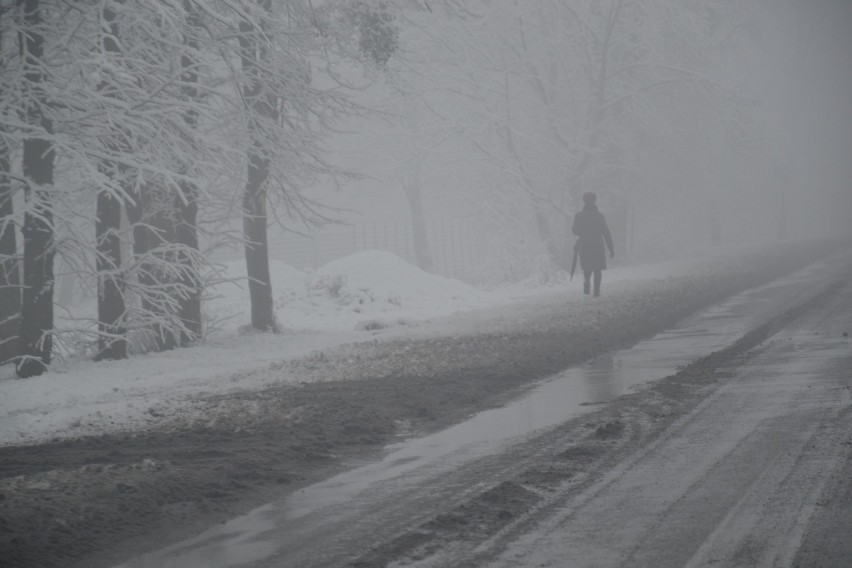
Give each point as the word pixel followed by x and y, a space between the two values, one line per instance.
pixel 336 304
pixel 318 309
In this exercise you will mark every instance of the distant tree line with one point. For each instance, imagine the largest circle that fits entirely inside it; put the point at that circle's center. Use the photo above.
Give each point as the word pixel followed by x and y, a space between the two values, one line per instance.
pixel 633 99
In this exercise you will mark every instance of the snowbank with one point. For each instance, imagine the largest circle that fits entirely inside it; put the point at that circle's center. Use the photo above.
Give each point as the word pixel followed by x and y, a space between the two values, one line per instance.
pixel 319 309
pixel 367 287
pixel 370 295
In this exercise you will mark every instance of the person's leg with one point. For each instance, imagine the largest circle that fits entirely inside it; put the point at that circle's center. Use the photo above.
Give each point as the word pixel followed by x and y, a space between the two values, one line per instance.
pixel 587 277
pixel 598 275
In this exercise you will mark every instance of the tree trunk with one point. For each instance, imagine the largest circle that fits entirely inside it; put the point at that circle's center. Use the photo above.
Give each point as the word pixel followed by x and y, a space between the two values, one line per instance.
pixel 546 235
pixel 257 249
pixel 152 227
pixel 36 341
pixel 261 107
pixel 167 330
pixel 187 208
pixel 112 343
pixel 186 234
pixel 10 273
pixel 414 193
pixel 10 279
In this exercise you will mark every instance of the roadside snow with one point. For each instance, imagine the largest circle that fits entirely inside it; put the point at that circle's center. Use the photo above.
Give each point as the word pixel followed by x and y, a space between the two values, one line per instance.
pixel 370 295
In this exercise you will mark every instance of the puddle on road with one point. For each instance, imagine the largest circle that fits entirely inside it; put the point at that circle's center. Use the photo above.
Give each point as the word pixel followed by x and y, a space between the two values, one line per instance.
pixel 257 535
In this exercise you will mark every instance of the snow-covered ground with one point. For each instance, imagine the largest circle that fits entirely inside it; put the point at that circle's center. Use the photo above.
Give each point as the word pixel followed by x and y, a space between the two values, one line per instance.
pixel 371 295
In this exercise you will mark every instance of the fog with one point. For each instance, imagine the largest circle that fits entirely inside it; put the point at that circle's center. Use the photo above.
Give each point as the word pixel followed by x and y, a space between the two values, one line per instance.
pixel 807 89
pixel 459 135
pixel 719 123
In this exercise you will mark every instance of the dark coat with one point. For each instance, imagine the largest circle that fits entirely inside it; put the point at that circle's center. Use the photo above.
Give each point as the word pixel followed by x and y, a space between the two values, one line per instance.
pixel 590 226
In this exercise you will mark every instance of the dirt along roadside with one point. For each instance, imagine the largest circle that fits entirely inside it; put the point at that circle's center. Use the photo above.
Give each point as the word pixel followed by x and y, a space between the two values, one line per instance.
pixel 97 500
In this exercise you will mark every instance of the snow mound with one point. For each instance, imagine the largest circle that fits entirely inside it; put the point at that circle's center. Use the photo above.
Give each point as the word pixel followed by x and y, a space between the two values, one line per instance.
pixel 384 277
pixel 366 291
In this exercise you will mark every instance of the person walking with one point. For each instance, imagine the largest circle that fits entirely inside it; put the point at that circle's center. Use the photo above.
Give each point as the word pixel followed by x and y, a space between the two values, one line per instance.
pixel 593 234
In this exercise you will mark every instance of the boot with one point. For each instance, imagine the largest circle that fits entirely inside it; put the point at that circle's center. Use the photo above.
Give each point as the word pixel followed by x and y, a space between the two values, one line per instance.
pixel 586 287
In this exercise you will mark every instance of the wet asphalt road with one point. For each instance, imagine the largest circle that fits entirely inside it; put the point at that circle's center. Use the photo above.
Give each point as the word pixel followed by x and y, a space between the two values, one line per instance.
pixel 754 476
pixel 736 482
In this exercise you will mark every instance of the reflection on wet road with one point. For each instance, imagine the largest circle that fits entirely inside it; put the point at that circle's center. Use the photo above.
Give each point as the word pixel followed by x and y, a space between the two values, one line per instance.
pixel 746 478
pixel 273 534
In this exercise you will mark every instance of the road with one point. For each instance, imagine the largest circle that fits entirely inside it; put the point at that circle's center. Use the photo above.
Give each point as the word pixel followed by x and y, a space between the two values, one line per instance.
pixel 757 475
pixel 753 472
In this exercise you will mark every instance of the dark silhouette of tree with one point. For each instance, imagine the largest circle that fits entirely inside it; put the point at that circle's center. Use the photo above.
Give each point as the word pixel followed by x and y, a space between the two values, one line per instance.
pixel 186 202
pixel 10 279
pixel 261 104
pixel 112 341
pixel 36 341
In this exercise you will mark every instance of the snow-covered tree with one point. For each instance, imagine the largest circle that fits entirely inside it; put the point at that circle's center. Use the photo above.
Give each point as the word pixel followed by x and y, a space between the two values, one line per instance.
pixel 112 341
pixel 38 159
pixel 150 114
pixel 124 142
